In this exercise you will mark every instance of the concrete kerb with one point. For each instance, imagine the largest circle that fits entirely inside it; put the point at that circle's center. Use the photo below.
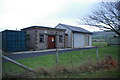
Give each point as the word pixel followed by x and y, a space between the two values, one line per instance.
pixel 50 50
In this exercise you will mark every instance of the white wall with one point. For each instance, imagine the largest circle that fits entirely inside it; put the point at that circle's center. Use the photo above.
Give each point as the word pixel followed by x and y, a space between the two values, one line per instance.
pixel 78 40
pixel 90 40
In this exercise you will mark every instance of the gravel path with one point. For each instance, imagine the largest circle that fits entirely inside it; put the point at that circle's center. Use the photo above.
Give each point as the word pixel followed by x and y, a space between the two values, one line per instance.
pixel 28 55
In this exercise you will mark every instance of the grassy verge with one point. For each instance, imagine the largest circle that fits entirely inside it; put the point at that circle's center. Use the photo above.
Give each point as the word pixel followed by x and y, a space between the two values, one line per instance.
pixel 99 74
pixel 72 59
pixel 100 44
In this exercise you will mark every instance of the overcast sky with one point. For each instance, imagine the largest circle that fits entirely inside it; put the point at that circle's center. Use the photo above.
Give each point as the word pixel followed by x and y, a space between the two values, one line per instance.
pixel 24 13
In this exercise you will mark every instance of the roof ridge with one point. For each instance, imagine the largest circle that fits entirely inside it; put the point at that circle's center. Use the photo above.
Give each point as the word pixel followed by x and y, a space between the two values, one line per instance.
pixel 40 27
pixel 75 28
pixel 72 26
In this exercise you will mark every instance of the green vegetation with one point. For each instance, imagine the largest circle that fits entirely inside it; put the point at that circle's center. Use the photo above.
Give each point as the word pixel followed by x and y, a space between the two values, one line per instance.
pixel 99 74
pixel 100 44
pixel 71 59
pixel 102 36
pixel 5 53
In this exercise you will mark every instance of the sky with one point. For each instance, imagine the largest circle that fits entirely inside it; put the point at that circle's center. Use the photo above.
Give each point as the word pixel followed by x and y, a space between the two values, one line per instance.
pixel 18 14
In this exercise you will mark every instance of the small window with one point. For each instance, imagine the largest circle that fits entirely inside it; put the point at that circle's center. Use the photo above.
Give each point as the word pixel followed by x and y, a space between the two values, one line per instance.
pixel 60 38
pixel 41 38
pixel 28 37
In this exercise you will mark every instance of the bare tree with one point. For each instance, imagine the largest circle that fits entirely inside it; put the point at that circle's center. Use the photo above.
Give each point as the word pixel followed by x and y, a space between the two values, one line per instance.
pixel 106 16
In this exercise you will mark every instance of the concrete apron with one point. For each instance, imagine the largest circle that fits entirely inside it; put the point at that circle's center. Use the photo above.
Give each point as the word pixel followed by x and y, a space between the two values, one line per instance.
pixel 51 50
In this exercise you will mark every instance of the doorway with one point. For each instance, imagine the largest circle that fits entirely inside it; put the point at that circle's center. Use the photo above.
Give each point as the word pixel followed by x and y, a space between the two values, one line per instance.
pixel 51 42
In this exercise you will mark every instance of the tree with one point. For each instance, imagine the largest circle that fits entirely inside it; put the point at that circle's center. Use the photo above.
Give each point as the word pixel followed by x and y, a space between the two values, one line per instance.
pixel 107 16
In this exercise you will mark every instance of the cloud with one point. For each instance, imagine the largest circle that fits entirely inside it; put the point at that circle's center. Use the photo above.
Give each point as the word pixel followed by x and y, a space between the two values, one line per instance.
pixel 24 13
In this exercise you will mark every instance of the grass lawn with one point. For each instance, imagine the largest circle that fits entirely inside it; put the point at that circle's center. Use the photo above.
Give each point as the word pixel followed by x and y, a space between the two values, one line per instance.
pixel 73 58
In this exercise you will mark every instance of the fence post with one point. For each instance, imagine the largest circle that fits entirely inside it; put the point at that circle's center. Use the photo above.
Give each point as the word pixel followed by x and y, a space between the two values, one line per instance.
pixel 0 65
pixel 56 56
pixel 97 52
pixel 56 50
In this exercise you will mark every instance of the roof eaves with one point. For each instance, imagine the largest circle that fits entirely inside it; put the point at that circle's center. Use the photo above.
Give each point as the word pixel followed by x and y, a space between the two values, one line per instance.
pixel 67 26
pixel 83 32
pixel 11 30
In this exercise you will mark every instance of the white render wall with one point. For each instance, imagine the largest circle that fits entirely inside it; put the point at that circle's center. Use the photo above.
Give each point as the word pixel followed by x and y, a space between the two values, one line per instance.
pixel 78 40
pixel 90 40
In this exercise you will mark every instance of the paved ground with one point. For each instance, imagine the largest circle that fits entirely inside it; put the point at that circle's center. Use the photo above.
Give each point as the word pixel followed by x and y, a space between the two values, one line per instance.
pixel 22 55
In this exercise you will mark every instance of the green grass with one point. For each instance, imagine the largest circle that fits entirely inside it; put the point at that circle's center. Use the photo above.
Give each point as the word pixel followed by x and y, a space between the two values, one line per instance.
pixel 99 39
pixel 73 58
pixel 102 74
pixel 100 44
pixel 4 53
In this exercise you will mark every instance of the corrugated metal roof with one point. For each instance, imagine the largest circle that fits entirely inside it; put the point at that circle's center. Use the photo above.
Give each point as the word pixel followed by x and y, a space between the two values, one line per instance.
pixel 76 29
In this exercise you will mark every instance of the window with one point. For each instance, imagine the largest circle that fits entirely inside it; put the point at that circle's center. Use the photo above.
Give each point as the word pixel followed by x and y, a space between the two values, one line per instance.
pixel 41 38
pixel 28 37
pixel 60 38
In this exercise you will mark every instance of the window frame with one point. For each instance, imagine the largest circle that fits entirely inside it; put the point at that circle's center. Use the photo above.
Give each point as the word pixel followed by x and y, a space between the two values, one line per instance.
pixel 41 36
pixel 28 37
pixel 60 38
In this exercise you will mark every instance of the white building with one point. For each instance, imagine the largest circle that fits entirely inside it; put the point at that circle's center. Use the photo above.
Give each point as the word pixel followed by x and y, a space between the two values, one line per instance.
pixel 76 37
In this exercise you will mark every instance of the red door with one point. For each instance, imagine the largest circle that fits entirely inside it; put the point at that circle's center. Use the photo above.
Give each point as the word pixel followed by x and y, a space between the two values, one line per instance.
pixel 51 42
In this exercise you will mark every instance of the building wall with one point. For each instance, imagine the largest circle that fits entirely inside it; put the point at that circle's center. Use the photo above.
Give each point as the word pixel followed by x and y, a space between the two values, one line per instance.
pixel 34 41
pixel 61 44
pixel 86 40
pixel 81 40
pixel 90 40
pixel 72 40
pixel 49 32
pixel 66 40
pixel 69 32
pixel 78 40
pixel 30 40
